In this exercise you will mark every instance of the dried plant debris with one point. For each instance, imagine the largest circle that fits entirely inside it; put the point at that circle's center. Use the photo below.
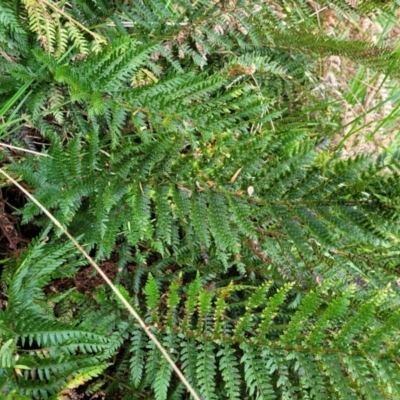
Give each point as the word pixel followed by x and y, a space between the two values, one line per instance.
pixel 364 96
pixel 7 227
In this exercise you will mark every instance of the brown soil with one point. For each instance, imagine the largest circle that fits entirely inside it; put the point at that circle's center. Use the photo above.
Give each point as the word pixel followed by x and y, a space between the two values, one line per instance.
pixel 86 280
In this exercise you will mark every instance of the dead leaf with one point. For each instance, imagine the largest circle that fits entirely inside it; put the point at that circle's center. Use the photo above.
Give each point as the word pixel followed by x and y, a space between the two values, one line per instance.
pixel 188 191
pixel 235 175
pixel 201 189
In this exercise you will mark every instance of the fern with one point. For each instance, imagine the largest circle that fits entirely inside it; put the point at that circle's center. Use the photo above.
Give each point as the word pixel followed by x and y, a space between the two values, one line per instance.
pixel 182 145
pixel 306 325
pixel 59 349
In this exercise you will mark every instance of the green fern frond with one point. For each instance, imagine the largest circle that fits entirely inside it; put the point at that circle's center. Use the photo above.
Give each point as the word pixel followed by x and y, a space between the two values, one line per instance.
pixel 182 145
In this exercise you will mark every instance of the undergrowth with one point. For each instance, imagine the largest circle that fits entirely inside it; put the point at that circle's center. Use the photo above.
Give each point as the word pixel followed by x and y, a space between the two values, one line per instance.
pixel 186 147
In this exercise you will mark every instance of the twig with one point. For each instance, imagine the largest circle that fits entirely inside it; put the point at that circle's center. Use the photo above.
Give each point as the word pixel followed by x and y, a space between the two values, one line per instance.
pixel 26 150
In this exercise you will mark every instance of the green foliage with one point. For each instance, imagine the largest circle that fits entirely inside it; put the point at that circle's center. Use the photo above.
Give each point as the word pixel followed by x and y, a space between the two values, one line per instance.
pixel 282 348
pixel 49 349
pixel 182 145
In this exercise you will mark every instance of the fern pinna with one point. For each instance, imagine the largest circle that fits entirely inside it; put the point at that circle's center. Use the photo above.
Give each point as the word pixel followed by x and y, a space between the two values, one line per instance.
pixel 181 143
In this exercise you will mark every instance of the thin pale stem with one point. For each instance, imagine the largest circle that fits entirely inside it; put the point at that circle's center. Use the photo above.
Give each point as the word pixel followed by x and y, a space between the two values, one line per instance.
pixel 22 149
